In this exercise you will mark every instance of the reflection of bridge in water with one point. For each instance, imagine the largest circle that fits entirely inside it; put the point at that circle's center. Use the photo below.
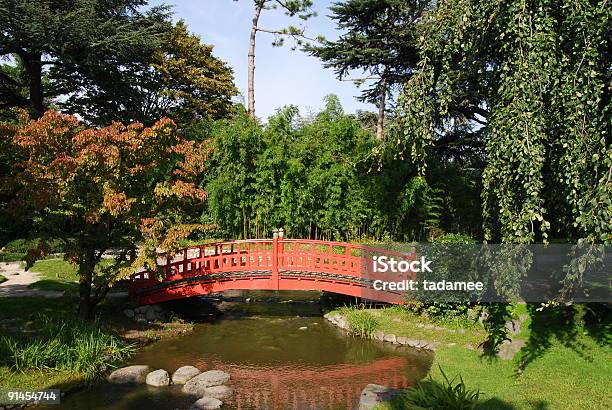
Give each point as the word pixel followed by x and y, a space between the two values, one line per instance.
pixel 266 264
pixel 338 386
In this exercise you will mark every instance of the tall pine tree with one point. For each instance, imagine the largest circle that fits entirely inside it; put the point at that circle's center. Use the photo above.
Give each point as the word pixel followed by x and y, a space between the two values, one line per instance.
pixel 379 39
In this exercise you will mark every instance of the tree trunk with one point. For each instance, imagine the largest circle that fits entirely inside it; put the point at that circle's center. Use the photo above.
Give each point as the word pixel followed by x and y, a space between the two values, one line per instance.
pixel 86 268
pixel 33 66
pixel 251 62
pixel 380 124
pixel 244 223
pixel 86 308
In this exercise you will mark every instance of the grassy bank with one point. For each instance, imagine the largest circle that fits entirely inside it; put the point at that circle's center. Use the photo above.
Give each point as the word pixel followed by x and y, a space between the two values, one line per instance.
pixel 44 345
pixel 564 367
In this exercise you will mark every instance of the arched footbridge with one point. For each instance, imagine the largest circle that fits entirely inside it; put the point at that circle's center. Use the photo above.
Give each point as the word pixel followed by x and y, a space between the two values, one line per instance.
pixel 267 264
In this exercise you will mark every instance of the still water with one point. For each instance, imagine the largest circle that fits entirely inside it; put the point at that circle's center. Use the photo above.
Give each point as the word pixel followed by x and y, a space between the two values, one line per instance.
pixel 280 355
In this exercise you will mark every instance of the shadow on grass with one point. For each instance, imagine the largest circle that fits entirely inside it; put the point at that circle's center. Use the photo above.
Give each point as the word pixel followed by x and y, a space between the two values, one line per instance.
pixel 564 325
pixel 431 394
pixel 47 284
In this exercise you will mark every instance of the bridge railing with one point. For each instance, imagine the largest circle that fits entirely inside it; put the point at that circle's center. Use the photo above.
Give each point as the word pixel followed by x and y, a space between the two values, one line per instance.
pixel 270 260
pixel 320 256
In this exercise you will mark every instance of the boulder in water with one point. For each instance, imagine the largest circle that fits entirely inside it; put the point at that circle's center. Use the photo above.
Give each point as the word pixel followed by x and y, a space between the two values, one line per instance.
pixel 211 378
pixel 207 403
pixel 130 374
pixel 374 394
pixel 218 392
pixel 158 378
pixel 183 374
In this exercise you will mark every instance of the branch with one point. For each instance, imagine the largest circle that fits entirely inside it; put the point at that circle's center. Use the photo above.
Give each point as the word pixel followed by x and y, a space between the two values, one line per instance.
pixel 371 77
pixel 286 33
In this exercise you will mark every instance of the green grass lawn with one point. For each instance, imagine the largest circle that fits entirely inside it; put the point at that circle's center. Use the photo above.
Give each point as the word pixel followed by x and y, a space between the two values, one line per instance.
pixel 565 370
pixel 57 274
pixel 56 269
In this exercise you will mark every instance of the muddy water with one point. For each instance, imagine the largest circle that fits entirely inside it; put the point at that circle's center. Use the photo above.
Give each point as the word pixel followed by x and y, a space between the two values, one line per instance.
pixel 280 354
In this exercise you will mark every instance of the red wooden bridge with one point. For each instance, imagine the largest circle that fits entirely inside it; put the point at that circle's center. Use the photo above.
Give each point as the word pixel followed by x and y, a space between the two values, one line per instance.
pixel 268 264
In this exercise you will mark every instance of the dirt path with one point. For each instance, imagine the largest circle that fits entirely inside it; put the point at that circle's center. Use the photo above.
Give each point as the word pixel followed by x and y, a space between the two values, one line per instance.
pixel 18 281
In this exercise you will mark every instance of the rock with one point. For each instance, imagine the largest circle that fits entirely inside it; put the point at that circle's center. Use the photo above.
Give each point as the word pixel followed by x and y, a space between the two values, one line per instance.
pixel 375 394
pixel 211 378
pixel 140 318
pixel 150 315
pixel 390 338
pixel 513 326
pixel 158 308
pixel 218 392
pixel 342 323
pixel 129 313
pixel 483 316
pixel 207 403
pixel 158 378
pixel 401 340
pixel 130 374
pixel 508 349
pixel 413 343
pixel 183 374
pixel 378 335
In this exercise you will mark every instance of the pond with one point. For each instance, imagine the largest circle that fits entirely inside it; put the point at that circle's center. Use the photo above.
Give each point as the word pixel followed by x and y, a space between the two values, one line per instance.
pixel 281 354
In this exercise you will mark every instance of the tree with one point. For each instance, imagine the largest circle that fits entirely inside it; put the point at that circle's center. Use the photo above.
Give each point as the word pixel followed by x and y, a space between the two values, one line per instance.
pixel 118 186
pixel 13 92
pixel 71 33
pixel 299 8
pixel 380 39
pixel 531 81
pixel 180 79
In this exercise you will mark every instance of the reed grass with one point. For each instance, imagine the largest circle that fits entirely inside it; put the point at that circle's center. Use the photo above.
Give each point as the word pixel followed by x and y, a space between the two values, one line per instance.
pixel 68 344
pixel 361 322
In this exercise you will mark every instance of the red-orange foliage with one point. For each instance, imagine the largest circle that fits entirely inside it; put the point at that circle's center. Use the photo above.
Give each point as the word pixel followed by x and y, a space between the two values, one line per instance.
pixel 107 187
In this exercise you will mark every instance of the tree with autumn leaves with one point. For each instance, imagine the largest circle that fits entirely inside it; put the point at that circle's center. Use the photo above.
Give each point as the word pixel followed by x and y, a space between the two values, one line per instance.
pixel 127 187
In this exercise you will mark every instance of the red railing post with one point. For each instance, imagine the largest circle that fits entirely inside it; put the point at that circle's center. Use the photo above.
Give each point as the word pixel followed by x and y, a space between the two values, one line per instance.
pixel 185 261
pixel 275 257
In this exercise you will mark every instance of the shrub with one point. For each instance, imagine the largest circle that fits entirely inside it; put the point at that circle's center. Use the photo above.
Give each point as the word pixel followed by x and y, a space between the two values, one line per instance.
pixel 24 245
pixel 11 257
pixel 67 344
pixel 454 239
pixel 431 394
pixel 450 251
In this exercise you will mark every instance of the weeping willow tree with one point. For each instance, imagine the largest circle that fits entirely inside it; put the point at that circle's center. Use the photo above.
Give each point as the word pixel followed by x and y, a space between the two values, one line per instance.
pixel 530 80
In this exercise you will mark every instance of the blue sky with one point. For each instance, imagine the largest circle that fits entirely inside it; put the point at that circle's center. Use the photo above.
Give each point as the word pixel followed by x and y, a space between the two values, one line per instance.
pixel 282 76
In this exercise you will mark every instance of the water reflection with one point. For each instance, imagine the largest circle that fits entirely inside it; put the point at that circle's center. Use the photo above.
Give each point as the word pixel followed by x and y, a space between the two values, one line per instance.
pixel 275 363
